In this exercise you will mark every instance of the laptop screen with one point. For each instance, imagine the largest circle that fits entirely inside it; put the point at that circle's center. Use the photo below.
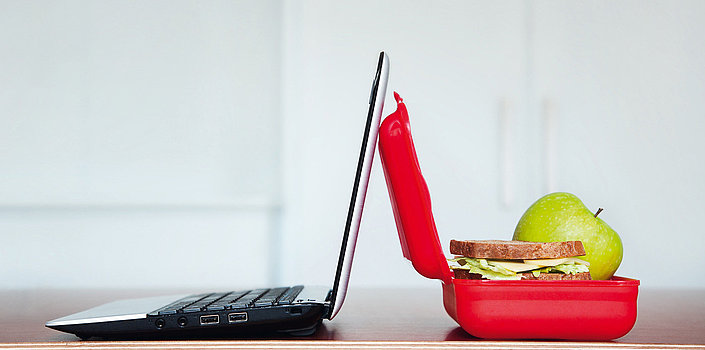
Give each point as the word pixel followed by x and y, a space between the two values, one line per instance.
pixel 362 177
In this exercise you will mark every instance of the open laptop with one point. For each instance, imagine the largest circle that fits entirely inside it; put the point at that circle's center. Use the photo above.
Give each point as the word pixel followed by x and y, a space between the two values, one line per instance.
pixel 296 310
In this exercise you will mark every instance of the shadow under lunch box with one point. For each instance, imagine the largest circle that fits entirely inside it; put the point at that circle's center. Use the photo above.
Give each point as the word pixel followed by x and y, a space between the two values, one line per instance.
pixel 495 309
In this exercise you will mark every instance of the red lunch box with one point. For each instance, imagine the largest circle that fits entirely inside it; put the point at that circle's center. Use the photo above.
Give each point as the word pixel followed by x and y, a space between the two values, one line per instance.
pixel 529 309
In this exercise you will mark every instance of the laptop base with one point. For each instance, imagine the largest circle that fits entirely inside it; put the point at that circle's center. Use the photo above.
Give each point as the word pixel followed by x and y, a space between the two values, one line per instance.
pixel 269 323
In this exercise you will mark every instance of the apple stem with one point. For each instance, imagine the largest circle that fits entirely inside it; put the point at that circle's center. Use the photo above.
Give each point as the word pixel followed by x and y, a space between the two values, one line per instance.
pixel 598 212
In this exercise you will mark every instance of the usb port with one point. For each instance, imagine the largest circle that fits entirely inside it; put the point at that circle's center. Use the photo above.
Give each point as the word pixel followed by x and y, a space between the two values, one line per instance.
pixel 237 317
pixel 210 319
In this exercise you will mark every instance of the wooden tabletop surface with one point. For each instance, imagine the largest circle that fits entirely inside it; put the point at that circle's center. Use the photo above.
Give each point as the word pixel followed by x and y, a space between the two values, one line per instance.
pixel 370 318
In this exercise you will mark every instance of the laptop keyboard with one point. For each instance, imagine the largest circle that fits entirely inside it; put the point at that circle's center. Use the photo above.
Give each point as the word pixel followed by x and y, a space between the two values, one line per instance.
pixel 231 300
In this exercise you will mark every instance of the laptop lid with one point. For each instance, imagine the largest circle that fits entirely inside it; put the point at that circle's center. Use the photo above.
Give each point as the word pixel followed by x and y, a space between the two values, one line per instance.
pixel 362 177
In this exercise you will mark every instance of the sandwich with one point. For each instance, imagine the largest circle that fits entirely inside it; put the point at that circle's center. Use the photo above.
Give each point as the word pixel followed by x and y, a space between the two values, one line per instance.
pixel 518 260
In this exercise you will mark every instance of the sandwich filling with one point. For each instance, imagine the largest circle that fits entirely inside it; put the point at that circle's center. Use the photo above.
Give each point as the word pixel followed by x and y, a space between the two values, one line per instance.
pixel 507 269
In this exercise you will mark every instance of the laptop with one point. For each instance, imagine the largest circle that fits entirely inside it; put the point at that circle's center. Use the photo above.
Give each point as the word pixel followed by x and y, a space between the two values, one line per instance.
pixel 295 310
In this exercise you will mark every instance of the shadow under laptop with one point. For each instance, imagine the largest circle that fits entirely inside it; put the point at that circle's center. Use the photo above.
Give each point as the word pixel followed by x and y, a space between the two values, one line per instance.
pixel 318 331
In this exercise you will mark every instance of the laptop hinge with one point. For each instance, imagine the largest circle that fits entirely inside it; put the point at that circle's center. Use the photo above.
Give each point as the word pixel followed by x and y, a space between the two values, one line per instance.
pixel 328 306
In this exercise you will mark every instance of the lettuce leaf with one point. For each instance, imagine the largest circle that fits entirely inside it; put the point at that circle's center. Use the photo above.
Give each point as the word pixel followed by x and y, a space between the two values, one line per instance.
pixel 537 272
pixel 484 268
pixel 495 272
pixel 571 268
pixel 568 268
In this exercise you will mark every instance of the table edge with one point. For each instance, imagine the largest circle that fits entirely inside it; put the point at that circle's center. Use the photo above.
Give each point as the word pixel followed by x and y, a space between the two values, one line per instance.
pixel 347 344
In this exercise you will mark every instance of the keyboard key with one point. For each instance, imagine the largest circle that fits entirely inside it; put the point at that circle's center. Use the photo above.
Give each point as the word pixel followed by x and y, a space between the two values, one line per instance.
pixel 267 299
pixel 248 298
pixel 207 301
pixel 260 303
pixel 230 300
pixel 175 306
pixel 290 295
pixel 273 294
pixel 234 296
pixel 191 309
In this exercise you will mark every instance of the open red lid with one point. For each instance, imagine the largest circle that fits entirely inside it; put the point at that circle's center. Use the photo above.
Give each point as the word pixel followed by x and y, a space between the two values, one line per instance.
pixel 409 195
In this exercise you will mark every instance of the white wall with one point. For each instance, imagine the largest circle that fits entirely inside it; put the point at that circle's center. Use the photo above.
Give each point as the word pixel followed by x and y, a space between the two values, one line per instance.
pixel 627 85
pixel 138 141
pixel 508 101
pixel 454 66
pixel 134 135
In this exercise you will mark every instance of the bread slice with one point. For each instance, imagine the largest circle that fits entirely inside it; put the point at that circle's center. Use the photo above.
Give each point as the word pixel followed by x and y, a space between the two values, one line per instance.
pixel 466 275
pixel 516 249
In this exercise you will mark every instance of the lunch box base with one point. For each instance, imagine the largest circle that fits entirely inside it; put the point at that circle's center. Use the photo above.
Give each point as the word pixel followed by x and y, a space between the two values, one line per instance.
pixel 568 310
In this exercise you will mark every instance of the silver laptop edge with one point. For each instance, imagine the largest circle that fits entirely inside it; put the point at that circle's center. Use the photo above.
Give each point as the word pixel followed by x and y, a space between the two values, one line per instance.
pixel 120 310
pixel 376 104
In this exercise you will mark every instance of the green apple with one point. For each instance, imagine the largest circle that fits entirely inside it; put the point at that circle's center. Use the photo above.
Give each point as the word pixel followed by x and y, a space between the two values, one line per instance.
pixel 562 216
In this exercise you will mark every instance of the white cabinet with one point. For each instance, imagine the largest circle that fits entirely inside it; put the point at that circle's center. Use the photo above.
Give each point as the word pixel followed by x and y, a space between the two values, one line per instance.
pixel 149 103
pixel 625 88
pixel 139 142
pixel 508 101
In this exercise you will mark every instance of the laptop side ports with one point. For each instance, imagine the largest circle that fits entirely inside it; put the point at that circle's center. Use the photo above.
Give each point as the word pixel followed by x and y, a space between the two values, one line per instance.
pixel 236 317
pixel 159 323
pixel 210 319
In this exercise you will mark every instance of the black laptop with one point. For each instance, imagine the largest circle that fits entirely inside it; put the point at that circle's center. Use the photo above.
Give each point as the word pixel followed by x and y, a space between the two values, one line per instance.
pixel 296 310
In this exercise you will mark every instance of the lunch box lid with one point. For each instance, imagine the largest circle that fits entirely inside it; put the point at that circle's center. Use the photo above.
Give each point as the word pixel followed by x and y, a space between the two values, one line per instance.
pixel 411 201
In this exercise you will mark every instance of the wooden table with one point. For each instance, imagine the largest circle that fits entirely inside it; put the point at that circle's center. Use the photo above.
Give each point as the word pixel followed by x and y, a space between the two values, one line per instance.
pixel 370 318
